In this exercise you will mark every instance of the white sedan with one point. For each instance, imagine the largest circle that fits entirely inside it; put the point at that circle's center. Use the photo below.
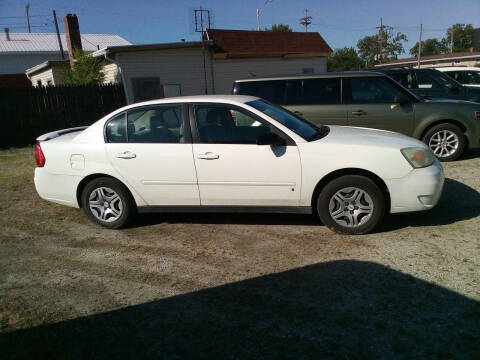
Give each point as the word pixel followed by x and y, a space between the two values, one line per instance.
pixel 231 154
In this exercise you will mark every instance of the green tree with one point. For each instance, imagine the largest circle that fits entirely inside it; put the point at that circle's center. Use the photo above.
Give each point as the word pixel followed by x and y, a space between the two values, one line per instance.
pixel 430 47
pixel 463 37
pixel 344 59
pixel 382 47
pixel 279 28
pixel 87 70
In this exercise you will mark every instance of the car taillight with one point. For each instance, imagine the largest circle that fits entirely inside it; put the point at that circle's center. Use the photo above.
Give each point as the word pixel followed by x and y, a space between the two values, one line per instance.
pixel 477 115
pixel 39 157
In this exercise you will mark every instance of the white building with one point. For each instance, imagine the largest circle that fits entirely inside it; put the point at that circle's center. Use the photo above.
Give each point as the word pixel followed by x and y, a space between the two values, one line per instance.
pixel 211 66
pixel 21 51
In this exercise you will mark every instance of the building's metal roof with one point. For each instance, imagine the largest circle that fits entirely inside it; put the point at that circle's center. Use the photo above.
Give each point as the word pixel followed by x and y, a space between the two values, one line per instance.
pixel 150 47
pixel 39 43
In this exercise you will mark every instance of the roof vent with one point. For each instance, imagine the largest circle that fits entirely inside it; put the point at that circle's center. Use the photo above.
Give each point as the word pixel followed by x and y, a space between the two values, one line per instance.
pixel 7 34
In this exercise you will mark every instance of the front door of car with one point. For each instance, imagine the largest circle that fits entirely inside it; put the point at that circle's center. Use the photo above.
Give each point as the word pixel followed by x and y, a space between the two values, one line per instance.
pixel 376 103
pixel 318 100
pixel 151 149
pixel 232 169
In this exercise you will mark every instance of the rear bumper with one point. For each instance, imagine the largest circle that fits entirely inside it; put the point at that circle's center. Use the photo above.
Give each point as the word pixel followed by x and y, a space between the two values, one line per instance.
pixel 419 190
pixel 61 189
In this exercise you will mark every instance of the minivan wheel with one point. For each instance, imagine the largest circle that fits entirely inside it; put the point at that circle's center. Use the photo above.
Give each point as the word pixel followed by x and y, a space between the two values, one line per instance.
pixel 106 201
pixel 447 141
pixel 351 204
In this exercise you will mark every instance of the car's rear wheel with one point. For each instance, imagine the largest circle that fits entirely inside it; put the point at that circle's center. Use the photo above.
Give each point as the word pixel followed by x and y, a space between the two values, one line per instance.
pixel 447 141
pixel 351 204
pixel 106 201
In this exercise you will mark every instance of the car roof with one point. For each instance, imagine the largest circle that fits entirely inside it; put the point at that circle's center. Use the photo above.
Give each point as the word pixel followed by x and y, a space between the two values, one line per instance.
pixel 458 68
pixel 312 75
pixel 196 99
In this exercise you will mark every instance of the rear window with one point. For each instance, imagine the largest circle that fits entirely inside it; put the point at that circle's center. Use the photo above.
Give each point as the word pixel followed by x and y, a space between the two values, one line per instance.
pixel 271 90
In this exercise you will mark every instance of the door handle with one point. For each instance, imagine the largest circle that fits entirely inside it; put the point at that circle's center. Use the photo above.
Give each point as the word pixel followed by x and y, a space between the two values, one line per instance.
pixel 298 113
pixel 126 155
pixel 359 112
pixel 208 156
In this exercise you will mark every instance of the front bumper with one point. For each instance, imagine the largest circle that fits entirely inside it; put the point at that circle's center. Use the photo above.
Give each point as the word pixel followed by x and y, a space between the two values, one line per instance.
pixel 419 190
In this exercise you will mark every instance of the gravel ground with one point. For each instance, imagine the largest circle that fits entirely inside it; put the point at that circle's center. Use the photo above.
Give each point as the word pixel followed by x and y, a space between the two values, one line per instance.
pixel 238 286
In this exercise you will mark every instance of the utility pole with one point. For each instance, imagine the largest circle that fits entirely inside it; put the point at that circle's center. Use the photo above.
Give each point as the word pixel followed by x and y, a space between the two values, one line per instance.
pixel 201 27
pixel 27 8
pixel 420 46
pixel 259 11
pixel 451 41
pixel 58 35
pixel 305 21
pixel 380 40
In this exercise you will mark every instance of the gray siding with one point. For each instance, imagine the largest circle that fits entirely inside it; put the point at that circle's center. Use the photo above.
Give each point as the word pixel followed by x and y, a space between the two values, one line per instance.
pixel 229 70
pixel 17 64
pixel 171 66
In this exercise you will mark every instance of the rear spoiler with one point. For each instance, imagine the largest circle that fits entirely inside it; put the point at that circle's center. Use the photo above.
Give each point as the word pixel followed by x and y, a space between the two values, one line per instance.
pixel 54 134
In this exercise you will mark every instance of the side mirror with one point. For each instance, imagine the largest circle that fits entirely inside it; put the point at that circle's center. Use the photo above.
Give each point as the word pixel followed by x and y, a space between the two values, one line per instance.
pixel 400 100
pixel 271 139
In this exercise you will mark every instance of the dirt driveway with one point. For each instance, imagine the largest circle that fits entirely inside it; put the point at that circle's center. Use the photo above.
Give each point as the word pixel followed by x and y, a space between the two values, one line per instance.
pixel 237 286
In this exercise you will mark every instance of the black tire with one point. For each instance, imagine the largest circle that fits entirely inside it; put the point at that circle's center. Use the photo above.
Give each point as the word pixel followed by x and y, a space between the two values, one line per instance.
pixel 431 135
pixel 124 205
pixel 375 197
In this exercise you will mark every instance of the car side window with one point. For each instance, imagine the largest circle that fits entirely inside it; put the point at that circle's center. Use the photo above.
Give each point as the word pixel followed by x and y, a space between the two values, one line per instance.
pixel 321 91
pixel 223 124
pixel 155 124
pixel 405 79
pixel 116 130
pixel 373 90
pixel 427 80
pixel 471 77
pixel 271 90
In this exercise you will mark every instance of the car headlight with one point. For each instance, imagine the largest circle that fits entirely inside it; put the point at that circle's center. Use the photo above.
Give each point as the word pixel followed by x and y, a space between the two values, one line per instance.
pixel 418 157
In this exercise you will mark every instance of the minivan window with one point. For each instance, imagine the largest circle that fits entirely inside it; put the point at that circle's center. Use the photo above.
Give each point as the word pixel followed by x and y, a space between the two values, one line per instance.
pixel 373 90
pixel 321 91
pixel 271 90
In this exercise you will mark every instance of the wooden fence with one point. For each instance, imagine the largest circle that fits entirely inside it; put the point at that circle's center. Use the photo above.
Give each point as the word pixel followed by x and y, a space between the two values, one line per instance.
pixel 26 113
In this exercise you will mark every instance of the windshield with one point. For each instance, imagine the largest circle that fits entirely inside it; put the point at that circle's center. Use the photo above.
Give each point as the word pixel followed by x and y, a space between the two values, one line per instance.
pixel 298 125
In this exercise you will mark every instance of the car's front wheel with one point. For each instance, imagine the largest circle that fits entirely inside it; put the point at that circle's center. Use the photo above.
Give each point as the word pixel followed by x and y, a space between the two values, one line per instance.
pixel 107 202
pixel 351 204
pixel 447 141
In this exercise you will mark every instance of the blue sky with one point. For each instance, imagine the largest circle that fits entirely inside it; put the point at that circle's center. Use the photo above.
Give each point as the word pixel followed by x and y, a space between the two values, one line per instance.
pixel 340 22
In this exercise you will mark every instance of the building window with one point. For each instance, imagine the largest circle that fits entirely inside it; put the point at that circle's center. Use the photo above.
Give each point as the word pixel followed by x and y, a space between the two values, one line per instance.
pixel 308 70
pixel 171 90
pixel 39 83
pixel 146 88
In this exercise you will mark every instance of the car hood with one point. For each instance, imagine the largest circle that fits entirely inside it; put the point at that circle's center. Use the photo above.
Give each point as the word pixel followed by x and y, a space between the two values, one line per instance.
pixel 348 135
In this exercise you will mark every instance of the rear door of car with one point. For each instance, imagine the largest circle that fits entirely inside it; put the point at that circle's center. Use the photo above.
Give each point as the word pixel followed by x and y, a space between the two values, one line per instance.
pixel 318 100
pixel 151 148
pixel 376 102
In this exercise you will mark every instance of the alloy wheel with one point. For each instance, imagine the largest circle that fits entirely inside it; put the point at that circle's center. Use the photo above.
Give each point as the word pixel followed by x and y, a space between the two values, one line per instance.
pixel 444 143
pixel 105 204
pixel 351 207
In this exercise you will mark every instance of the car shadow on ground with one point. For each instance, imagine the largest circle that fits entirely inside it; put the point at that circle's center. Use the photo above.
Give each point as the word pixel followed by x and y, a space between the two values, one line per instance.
pixel 336 310
pixel 471 154
pixel 458 202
